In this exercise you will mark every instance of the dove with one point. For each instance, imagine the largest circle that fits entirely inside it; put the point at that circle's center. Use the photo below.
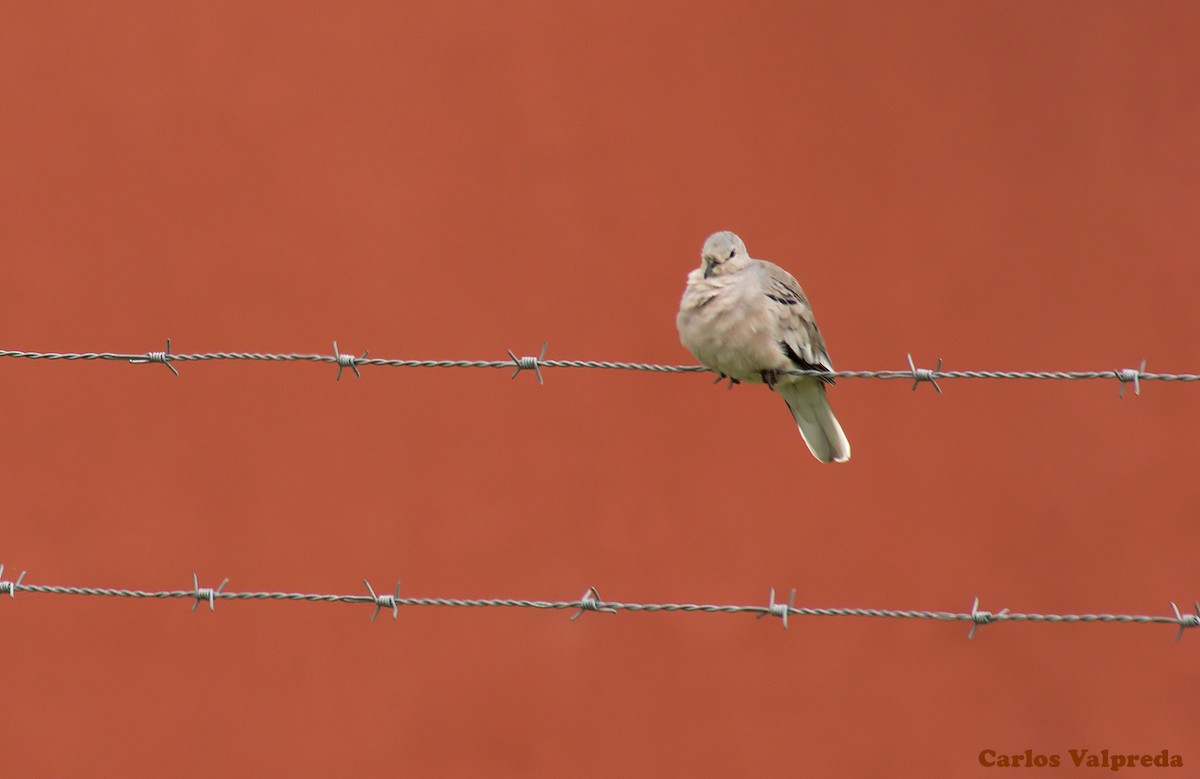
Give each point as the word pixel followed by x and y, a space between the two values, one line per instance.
pixel 749 321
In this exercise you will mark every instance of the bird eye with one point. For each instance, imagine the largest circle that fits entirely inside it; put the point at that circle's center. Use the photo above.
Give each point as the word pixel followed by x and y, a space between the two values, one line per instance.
pixel 732 252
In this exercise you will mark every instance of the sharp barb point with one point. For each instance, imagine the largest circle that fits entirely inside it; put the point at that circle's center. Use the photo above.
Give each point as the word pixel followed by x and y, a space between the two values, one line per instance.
pixel 347 361
pixel 1186 621
pixel 781 610
pixel 10 587
pixel 980 618
pixel 591 601
pixel 384 601
pixel 1131 376
pixel 924 374
pixel 164 357
pixel 209 594
pixel 529 363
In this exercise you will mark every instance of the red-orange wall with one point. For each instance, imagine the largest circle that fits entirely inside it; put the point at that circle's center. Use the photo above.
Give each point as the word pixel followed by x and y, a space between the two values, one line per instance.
pixel 1004 185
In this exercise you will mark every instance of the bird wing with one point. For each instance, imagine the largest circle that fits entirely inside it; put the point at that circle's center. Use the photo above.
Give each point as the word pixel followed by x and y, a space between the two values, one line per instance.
pixel 798 335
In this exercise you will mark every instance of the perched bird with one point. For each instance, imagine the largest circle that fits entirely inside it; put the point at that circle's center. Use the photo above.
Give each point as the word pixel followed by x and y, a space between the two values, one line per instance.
pixel 749 321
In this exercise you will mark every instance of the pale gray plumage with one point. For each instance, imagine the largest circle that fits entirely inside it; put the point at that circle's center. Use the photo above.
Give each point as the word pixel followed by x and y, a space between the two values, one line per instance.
pixel 749 320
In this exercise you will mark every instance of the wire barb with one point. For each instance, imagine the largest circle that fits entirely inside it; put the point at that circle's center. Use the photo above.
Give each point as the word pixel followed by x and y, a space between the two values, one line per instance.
pixel 979 618
pixel 1128 375
pixel 1186 621
pixel 780 610
pixel 924 374
pixel 7 586
pixel 384 601
pixel 347 361
pixel 591 602
pixel 206 593
pixel 163 357
pixel 529 363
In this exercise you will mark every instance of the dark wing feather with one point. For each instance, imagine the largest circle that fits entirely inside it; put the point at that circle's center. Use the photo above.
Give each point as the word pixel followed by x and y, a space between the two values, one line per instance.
pixel 801 340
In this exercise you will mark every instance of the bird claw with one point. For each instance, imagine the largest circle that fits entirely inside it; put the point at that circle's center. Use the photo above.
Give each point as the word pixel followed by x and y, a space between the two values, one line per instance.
pixel 770 378
pixel 722 377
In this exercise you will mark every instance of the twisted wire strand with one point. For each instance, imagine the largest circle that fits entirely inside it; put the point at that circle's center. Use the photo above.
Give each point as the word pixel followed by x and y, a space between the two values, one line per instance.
pixel 1127 375
pixel 591 602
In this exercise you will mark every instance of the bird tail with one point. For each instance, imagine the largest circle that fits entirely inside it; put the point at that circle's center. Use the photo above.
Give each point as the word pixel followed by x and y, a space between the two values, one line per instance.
pixel 819 427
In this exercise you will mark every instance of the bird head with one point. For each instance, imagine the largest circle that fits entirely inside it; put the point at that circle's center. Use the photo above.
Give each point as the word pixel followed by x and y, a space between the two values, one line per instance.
pixel 723 252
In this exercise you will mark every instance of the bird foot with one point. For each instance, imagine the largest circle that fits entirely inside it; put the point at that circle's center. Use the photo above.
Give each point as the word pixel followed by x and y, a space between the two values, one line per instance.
pixel 770 378
pixel 722 377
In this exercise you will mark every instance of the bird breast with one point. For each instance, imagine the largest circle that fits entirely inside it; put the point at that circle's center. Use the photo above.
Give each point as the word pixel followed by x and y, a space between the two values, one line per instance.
pixel 727 329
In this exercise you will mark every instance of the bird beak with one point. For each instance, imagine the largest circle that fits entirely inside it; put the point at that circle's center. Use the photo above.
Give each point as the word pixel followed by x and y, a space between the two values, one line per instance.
pixel 708 267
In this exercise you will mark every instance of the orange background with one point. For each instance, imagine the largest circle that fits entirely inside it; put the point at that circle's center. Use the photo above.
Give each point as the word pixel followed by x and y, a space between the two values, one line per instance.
pixel 1005 185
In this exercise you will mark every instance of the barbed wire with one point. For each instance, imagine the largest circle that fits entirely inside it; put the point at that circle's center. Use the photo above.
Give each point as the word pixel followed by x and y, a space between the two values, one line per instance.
pixel 591 601
pixel 1134 376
